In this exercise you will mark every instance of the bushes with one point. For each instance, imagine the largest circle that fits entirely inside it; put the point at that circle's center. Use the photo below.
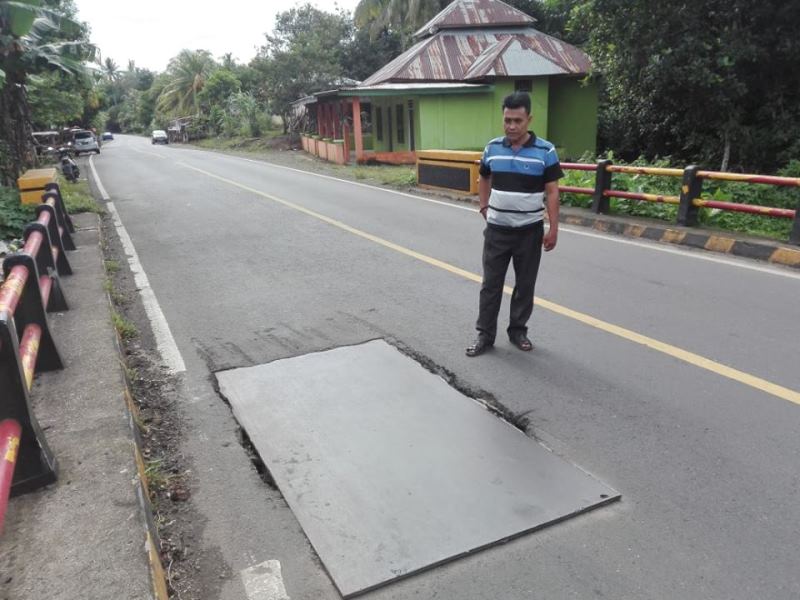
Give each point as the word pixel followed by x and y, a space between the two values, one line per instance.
pixel 13 215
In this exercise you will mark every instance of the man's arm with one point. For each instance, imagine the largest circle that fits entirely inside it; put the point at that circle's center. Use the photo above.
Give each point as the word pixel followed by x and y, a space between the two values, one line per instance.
pixel 552 202
pixel 484 191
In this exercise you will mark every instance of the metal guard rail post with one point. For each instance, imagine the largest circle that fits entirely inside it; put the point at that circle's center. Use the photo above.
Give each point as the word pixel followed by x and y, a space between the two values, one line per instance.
pixel 691 188
pixel 10 432
pixel 602 184
pixel 65 219
pixel 31 289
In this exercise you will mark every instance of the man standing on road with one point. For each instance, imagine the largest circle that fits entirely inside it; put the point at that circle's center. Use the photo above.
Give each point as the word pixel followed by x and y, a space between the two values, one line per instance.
pixel 519 179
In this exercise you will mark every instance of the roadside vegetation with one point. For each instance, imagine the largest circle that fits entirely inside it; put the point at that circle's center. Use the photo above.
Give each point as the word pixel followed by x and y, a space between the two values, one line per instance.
pixel 78 198
pixel 125 328
pixel 14 215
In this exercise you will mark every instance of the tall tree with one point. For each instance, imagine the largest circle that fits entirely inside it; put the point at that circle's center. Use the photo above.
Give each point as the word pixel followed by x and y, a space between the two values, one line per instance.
pixel 55 101
pixel 303 55
pixel 221 85
pixel 402 16
pixel 363 55
pixel 715 82
pixel 110 69
pixel 188 73
pixel 33 39
pixel 405 17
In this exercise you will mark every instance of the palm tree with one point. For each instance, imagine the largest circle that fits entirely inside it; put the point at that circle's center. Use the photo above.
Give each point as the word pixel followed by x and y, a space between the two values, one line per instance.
pixel 188 73
pixel 110 70
pixel 33 39
pixel 405 16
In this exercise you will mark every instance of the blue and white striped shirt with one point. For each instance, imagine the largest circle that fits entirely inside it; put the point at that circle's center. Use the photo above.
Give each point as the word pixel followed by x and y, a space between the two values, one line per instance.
pixel 518 180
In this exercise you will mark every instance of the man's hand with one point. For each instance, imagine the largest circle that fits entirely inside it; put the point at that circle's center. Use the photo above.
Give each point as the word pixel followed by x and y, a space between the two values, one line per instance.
pixel 550 239
pixel 484 191
pixel 551 196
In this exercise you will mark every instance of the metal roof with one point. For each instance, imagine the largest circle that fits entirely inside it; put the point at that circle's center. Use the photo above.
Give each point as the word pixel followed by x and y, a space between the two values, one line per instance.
pixel 475 13
pixel 481 53
pixel 393 89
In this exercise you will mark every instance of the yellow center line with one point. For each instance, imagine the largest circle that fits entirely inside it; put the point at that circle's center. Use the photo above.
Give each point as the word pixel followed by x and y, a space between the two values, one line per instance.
pixel 684 355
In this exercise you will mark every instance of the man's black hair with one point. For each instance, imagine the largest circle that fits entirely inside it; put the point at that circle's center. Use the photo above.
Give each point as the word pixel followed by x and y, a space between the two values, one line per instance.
pixel 518 100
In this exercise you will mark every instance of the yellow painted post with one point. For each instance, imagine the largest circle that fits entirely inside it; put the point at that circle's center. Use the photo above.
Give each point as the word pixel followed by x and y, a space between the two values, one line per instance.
pixel 31 184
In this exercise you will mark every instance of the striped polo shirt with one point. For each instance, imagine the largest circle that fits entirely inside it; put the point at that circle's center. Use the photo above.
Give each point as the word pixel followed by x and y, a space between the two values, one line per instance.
pixel 518 180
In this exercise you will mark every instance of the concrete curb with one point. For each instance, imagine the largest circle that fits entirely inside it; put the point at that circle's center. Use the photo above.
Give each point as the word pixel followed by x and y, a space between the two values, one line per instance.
pixel 158 576
pixel 764 250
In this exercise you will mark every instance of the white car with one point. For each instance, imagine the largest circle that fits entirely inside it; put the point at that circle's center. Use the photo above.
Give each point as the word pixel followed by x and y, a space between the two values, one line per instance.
pixel 84 141
pixel 160 137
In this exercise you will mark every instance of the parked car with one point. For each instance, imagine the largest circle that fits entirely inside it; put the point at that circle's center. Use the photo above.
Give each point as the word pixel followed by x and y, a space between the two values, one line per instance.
pixel 107 135
pixel 84 141
pixel 160 137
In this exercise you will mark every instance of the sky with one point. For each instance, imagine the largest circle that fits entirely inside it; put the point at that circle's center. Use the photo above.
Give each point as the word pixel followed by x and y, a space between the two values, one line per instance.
pixel 151 32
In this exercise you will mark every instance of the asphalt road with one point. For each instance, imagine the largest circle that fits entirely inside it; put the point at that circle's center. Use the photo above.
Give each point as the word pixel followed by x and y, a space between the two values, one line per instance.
pixel 251 262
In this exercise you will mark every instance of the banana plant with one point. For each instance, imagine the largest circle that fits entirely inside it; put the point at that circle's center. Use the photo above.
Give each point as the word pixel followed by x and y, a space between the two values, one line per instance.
pixel 34 39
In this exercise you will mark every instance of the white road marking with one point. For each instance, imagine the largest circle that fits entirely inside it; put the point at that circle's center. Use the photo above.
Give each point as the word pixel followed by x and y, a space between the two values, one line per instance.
pixel 148 153
pixel 364 185
pixel 264 581
pixel 165 343
pixel 686 252
pixel 99 183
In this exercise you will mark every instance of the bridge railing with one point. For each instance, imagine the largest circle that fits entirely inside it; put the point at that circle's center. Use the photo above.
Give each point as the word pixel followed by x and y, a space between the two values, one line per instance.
pixel 690 199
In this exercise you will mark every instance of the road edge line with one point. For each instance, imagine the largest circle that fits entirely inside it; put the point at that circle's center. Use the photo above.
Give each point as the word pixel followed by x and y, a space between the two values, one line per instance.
pixel 165 342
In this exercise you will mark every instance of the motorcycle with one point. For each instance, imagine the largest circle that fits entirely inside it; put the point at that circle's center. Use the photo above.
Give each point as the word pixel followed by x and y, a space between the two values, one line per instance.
pixel 68 166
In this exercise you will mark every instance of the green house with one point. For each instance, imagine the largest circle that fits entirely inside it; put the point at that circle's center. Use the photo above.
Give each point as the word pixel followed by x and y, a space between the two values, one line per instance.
pixel 446 91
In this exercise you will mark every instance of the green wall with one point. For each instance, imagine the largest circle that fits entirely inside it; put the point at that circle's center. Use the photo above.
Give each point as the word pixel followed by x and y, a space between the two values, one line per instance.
pixel 573 117
pixel 564 112
pixel 468 121
pixel 540 106
pixel 457 121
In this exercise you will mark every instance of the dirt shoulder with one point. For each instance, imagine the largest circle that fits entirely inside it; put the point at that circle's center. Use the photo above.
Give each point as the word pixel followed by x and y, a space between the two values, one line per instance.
pixel 155 394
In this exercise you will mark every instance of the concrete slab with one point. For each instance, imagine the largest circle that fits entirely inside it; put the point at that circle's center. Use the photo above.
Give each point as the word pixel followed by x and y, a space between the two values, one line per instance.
pixel 389 470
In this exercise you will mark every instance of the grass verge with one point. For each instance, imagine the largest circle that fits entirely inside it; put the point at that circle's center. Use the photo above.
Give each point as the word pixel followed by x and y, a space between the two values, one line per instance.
pixel 125 328
pixel 78 198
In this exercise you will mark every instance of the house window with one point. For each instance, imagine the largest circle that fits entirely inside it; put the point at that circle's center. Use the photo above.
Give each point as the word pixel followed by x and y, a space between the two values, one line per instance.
pixel 379 123
pixel 401 130
pixel 523 85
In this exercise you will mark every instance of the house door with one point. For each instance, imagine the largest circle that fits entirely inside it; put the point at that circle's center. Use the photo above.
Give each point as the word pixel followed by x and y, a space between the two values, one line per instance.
pixel 411 141
pixel 391 126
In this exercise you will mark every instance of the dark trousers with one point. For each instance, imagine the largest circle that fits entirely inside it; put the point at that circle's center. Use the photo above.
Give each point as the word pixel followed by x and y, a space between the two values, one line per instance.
pixel 499 247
